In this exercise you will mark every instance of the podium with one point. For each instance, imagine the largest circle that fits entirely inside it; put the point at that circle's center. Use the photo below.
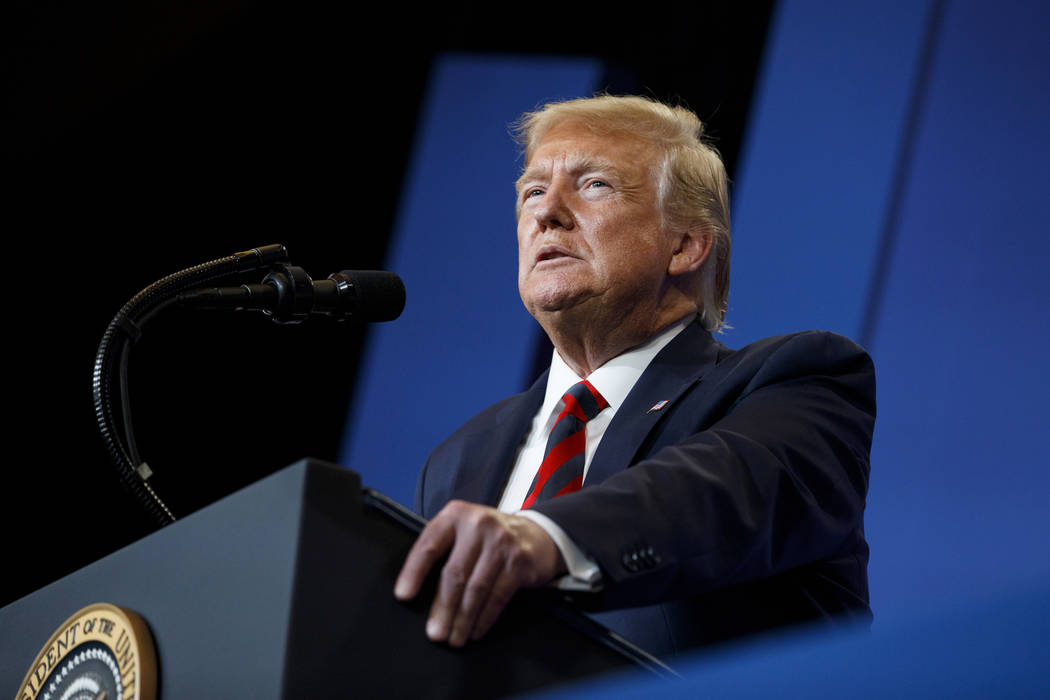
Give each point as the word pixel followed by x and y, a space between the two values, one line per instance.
pixel 285 590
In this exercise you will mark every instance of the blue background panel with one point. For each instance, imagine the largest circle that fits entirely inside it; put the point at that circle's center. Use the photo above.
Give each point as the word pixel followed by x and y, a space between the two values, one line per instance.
pixel 816 177
pixel 959 502
pixel 874 179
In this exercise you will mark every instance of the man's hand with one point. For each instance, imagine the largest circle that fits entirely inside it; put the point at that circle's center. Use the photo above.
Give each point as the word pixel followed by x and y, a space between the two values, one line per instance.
pixel 493 554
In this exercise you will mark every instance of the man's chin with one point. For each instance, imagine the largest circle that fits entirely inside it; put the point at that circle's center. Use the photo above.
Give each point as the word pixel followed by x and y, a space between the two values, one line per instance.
pixel 554 300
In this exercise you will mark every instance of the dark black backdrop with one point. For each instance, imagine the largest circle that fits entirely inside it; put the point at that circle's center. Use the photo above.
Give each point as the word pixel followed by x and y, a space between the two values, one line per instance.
pixel 148 137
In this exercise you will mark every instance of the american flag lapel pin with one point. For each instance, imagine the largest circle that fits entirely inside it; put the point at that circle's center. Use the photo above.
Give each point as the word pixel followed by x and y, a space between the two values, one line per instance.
pixel 657 406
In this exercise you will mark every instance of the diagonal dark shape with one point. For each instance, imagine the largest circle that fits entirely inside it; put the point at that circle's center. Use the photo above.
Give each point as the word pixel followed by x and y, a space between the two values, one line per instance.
pixel 901 178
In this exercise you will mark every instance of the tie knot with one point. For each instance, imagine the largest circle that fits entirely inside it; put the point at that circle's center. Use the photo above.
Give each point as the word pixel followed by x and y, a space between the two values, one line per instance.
pixel 583 401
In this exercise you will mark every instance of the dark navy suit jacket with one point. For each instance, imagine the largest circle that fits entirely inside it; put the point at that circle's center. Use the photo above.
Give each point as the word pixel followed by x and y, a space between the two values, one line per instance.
pixel 735 509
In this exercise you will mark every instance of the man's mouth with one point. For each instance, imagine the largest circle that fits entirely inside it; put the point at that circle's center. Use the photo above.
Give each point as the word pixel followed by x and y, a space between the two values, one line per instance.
pixel 552 252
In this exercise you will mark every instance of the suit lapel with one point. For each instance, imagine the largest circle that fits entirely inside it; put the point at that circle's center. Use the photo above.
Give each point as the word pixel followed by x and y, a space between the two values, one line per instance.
pixel 489 454
pixel 672 372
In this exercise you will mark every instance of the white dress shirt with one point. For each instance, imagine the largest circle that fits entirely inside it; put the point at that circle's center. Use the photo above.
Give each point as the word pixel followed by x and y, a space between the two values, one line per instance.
pixel 614 381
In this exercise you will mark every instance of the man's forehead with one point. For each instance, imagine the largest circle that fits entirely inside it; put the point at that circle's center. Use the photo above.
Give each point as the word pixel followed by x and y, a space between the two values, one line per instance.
pixel 574 161
pixel 579 149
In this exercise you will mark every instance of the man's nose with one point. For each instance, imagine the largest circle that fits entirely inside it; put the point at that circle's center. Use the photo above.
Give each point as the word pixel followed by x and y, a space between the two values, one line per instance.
pixel 554 210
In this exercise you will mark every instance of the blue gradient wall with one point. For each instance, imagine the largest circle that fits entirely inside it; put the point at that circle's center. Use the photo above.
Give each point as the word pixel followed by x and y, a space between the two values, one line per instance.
pixel 960 496
pixel 893 190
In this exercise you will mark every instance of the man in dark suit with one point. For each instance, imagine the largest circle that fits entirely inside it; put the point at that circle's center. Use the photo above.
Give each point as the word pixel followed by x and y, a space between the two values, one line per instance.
pixel 722 491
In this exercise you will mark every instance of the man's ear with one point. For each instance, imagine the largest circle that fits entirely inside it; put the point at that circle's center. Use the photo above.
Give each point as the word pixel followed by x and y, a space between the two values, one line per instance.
pixel 691 249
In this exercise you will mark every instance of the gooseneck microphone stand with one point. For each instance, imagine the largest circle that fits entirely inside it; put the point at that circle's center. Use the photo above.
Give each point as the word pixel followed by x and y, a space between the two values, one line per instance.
pixel 287 294
pixel 111 363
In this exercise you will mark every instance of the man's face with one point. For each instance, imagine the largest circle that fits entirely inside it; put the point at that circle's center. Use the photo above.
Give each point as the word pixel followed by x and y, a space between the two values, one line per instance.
pixel 590 234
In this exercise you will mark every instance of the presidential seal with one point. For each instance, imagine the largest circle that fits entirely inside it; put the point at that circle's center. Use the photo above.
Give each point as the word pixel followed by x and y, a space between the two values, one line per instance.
pixel 102 652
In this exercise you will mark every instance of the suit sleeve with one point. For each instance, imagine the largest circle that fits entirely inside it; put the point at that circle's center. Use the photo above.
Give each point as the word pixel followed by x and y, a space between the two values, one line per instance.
pixel 776 478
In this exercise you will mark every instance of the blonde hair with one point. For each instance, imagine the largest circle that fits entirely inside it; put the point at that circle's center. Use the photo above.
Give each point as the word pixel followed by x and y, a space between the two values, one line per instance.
pixel 692 185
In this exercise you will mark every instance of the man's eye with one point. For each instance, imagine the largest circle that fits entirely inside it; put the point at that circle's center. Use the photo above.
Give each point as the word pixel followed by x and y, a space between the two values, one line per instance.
pixel 598 183
pixel 533 192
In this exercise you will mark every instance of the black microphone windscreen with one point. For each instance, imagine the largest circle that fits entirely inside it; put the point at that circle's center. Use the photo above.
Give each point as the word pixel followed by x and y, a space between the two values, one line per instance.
pixel 380 294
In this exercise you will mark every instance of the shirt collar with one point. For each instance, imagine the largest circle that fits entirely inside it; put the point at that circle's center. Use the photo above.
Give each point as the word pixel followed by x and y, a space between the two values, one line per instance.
pixel 613 380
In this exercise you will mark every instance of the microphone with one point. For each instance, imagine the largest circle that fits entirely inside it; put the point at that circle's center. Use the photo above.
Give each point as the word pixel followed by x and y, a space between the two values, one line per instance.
pixel 288 295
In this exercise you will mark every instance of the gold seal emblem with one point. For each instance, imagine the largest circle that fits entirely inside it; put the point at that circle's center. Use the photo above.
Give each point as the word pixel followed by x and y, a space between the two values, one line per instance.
pixel 102 652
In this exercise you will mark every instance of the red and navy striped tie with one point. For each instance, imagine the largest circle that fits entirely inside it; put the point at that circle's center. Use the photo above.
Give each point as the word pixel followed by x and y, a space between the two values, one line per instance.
pixel 562 468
